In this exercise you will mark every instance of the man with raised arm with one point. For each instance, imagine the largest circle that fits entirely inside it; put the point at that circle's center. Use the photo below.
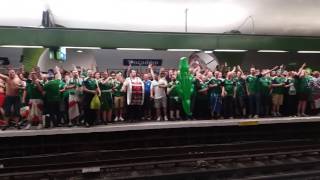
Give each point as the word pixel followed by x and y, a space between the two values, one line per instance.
pixel 12 99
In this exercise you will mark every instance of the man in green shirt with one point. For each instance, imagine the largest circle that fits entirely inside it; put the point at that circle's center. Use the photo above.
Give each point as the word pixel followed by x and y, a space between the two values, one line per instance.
pixel 174 99
pixel 240 94
pixel 253 96
pixel 253 89
pixel 118 96
pixel 228 93
pixel 303 90
pixel 34 92
pixel 265 94
pixel 90 88
pixel 215 90
pixel 278 89
pixel 52 97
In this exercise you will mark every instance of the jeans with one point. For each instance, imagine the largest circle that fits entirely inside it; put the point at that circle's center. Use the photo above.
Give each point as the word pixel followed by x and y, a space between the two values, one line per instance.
pixel 215 103
pixel 254 104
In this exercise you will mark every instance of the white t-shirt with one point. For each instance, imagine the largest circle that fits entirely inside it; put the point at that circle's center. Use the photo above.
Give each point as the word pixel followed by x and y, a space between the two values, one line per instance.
pixel 159 92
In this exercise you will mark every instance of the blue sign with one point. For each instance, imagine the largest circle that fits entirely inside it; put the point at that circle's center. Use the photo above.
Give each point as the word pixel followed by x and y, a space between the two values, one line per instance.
pixel 142 62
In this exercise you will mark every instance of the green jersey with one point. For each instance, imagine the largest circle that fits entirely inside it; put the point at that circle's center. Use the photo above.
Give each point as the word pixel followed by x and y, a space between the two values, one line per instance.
pixel 217 89
pixel 90 84
pixel 303 85
pixel 252 84
pixel 117 89
pixel 52 90
pixel 240 86
pixel 174 92
pixel 280 89
pixel 33 91
pixel 265 84
pixel 229 87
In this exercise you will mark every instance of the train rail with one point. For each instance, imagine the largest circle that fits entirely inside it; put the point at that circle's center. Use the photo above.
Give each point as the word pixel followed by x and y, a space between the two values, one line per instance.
pixel 224 161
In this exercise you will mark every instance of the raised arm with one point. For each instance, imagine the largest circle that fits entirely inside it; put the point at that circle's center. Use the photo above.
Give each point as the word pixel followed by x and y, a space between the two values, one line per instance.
pixel 151 71
pixel 234 69
pixel 301 68
pixel 4 77
pixel 58 74
pixel 239 69
pixel 268 71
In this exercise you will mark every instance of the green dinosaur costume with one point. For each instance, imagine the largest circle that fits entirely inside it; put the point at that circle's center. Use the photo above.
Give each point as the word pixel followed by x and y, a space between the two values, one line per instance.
pixel 186 87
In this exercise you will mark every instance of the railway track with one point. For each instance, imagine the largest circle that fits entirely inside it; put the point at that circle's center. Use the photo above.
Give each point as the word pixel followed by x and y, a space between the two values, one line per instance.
pixel 225 161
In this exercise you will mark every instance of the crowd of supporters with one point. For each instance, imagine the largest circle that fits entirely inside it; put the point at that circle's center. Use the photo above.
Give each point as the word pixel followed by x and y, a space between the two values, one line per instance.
pixel 85 97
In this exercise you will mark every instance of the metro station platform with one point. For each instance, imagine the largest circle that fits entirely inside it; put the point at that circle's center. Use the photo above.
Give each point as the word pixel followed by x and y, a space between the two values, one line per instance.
pixel 152 125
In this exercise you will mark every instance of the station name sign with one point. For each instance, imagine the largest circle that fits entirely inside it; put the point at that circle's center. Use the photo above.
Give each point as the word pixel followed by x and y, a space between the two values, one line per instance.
pixel 142 62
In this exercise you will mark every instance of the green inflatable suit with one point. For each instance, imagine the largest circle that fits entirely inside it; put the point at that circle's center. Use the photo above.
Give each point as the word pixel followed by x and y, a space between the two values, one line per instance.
pixel 185 87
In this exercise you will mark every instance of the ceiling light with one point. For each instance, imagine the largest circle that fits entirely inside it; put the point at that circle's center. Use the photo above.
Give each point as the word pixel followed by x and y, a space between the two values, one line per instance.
pixel 183 50
pixel 79 51
pixel 20 46
pixel 207 52
pixel 308 51
pixel 135 49
pixel 273 51
pixel 72 47
pixel 230 50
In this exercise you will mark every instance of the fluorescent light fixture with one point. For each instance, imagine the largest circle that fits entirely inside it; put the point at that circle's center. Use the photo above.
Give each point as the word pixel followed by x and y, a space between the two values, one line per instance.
pixel 135 49
pixel 208 52
pixel 72 47
pixel 183 50
pixel 79 51
pixel 20 46
pixel 230 50
pixel 273 51
pixel 309 52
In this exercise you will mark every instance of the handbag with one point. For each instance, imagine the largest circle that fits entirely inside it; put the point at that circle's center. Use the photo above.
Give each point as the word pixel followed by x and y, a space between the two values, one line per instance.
pixel 95 102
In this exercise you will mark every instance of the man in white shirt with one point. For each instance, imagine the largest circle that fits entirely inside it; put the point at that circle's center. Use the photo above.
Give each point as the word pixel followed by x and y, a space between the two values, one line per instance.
pixel 158 92
pixel 134 88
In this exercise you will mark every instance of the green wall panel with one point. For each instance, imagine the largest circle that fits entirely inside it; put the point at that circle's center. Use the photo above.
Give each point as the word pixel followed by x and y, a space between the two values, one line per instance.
pixel 156 40
pixel 31 57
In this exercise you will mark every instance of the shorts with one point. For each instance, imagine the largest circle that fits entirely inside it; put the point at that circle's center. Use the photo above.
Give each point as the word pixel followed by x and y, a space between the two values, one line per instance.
pixel 119 102
pixel 303 96
pixel 160 103
pixel 174 103
pixel 277 99
pixel 12 101
pixel 2 97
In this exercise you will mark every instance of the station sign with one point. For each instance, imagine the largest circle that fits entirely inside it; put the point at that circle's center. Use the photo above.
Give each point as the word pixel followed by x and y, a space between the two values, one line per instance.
pixel 142 62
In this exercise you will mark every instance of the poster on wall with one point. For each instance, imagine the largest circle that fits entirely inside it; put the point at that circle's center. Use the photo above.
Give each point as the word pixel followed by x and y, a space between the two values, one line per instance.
pixel 142 62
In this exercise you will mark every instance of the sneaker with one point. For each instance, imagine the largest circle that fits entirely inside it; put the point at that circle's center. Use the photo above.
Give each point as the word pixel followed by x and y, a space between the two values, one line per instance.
pixel 121 119
pixel 116 119
pixel 39 126
pixel 274 114
pixel 159 119
pixel 165 118
pixel 304 115
pixel 28 127
pixel 278 114
pixel 255 116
